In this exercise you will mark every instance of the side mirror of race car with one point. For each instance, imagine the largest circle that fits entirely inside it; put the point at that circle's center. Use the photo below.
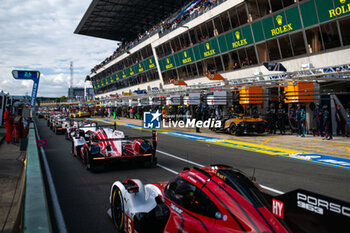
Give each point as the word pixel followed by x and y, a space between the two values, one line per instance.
pixel 132 187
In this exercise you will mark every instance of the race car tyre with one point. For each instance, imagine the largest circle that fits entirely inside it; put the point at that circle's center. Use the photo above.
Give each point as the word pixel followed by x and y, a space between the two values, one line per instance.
pixel 117 209
pixel 233 129
pixel 66 135
pixel 55 130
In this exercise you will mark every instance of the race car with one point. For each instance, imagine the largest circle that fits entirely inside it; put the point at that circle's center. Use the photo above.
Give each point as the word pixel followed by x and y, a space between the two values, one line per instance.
pixel 238 124
pixel 219 198
pixel 97 146
pixel 60 124
pixel 74 125
pixel 80 114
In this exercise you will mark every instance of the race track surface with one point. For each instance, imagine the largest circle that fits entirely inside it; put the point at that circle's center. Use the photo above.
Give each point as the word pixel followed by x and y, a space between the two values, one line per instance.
pixel 83 196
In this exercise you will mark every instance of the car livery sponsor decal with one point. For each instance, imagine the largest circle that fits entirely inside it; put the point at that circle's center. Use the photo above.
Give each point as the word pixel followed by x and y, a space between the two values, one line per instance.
pixel 320 205
pixel 176 209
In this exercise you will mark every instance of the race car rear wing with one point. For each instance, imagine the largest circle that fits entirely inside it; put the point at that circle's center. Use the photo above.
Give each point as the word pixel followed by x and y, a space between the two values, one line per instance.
pixel 306 212
pixel 154 138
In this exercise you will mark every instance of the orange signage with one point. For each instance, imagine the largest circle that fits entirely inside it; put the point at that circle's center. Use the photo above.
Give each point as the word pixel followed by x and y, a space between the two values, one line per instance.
pixel 215 77
pixel 299 92
pixel 250 95
pixel 178 82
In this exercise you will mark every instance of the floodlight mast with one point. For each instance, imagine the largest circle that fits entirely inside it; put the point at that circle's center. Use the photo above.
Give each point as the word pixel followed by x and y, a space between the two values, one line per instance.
pixel 71 74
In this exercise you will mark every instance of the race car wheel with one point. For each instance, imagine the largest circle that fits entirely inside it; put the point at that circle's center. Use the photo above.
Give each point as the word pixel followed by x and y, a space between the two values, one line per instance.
pixel 117 209
pixel 55 130
pixel 66 135
pixel 233 129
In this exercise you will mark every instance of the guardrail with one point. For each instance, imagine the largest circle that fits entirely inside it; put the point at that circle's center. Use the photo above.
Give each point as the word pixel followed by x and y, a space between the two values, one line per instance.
pixel 35 213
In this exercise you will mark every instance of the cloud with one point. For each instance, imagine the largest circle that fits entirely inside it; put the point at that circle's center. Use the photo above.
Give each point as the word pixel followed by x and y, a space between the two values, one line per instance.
pixel 38 35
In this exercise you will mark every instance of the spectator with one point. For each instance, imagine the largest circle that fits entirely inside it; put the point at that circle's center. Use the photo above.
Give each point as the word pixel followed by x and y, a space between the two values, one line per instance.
pixel 8 125
pixel 271 119
pixel 281 117
pixel 327 124
pixel 347 127
pixel 338 119
pixel 300 117
pixel 318 116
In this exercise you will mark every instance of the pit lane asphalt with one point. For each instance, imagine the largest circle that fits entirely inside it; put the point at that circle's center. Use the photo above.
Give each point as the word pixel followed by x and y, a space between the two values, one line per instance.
pixel 83 196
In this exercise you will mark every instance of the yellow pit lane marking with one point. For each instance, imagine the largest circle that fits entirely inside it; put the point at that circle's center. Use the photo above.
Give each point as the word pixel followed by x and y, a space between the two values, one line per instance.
pixel 348 149
pixel 265 141
pixel 251 147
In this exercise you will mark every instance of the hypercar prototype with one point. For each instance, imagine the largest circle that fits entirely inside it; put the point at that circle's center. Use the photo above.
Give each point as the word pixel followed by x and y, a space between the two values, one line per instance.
pixel 60 124
pixel 80 114
pixel 97 146
pixel 74 125
pixel 238 124
pixel 219 198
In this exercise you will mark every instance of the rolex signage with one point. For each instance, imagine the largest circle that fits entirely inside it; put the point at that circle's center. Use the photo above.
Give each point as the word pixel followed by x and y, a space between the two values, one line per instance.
pixel 206 49
pixel 151 63
pixel 238 40
pixel 209 51
pixel 280 28
pixel 186 58
pixel 341 8
pixel 169 64
pixel 281 23
pixel 140 68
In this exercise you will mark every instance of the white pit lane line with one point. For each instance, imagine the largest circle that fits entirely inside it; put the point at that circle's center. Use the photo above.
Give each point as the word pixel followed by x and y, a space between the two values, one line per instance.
pixel 200 165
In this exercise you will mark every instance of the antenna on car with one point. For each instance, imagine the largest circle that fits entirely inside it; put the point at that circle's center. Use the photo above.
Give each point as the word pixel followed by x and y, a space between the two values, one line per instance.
pixel 253 176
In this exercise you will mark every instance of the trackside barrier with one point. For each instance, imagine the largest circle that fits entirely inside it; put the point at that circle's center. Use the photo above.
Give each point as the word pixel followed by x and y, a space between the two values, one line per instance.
pixel 35 213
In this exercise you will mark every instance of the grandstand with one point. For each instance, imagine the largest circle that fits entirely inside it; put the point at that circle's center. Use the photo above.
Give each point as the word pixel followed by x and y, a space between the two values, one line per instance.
pixel 164 41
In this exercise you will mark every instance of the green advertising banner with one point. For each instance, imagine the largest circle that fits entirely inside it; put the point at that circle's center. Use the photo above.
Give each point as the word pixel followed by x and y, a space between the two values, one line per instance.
pixel 124 74
pixel 239 38
pixel 207 49
pixel 327 11
pixel 293 18
pixel 184 57
pixel 282 23
pixel 117 76
pixel 222 43
pixel 308 12
pixel 149 63
pixel 258 31
pixel 139 68
pixel 130 71
pixel 167 63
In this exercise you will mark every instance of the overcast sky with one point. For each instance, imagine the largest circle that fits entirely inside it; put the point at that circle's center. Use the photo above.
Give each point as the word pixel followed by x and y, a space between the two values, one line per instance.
pixel 38 35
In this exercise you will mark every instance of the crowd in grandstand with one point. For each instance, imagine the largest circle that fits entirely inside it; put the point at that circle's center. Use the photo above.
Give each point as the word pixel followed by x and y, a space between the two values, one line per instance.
pixel 195 8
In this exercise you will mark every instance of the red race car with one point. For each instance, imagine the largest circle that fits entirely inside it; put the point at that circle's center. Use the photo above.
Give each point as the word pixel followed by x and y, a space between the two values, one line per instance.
pixel 98 145
pixel 216 199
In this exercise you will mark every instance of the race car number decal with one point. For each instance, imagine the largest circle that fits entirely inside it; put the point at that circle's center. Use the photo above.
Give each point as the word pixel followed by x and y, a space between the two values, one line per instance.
pixel 130 225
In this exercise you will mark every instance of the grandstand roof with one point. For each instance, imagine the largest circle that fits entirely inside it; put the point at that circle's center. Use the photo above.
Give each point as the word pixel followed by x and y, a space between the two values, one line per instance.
pixel 123 20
